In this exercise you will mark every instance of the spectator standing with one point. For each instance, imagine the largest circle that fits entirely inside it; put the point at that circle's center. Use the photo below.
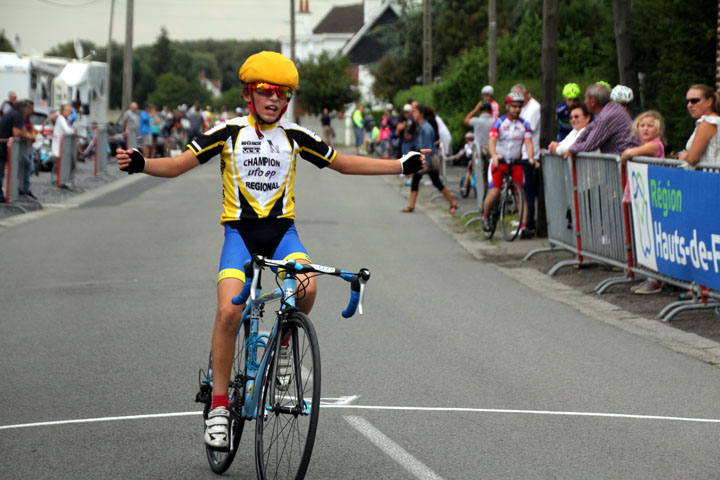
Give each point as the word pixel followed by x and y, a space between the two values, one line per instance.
pixel 130 120
pixel 12 124
pixel 571 93
pixel 531 114
pixel 480 124
pixel 445 136
pixel 649 128
pixel 145 131
pixel 704 143
pixel 407 130
pixel 7 105
pixel 427 140
pixel 611 131
pixel 579 119
pixel 357 120
pixel 622 95
pixel 368 126
pixel 29 135
pixel 196 120
pixel 327 131
pixel 62 128
pixel 487 93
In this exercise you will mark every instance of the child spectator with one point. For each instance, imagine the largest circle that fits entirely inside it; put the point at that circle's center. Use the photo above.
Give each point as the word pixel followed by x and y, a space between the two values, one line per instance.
pixel 649 128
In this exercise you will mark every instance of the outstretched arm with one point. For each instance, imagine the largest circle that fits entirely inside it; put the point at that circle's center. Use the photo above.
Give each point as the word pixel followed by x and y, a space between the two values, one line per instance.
pixel 357 165
pixel 132 161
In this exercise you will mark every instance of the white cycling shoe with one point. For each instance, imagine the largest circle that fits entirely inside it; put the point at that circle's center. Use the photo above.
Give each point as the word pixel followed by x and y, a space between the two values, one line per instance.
pixel 216 428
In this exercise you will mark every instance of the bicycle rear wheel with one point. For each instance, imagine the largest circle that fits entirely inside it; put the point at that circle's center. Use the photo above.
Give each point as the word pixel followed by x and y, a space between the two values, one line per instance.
pixel 288 411
pixel 220 460
pixel 512 207
pixel 465 186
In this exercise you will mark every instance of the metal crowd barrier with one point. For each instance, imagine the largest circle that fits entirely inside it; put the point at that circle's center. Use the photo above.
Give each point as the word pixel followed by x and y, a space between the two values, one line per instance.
pixel 702 295
pixel 65 166
pixel 132 138
pixel 101 154
pixel 559 206
pixel 586 216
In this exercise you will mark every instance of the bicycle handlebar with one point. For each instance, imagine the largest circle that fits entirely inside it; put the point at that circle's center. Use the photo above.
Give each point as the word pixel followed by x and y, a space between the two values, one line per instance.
pixel 357 280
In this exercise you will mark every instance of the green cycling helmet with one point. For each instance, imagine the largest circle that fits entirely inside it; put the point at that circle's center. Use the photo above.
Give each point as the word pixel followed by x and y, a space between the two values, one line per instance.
pixel 571 90
pixel 604 84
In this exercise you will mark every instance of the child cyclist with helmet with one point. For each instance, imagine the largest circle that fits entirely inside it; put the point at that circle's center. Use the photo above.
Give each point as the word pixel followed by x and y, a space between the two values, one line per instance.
pixel 507 136
pixel 571 93
pixel 257 164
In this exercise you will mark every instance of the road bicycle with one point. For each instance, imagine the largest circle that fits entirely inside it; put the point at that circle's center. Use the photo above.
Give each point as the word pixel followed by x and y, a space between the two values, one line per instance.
pixel 275 377
pixel 467 181
pixel 509 209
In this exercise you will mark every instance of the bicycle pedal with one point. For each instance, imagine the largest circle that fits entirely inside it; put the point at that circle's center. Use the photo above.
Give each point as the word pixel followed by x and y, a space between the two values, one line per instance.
pixel 204 395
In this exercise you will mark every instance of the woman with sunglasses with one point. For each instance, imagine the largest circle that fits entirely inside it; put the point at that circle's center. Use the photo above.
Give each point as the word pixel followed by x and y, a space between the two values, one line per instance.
pixel 257 163
pixel 579 118
pixel 704 143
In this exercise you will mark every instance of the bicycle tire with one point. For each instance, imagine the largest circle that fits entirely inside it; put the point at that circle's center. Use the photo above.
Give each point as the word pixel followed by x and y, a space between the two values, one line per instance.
pixel 493 217
pixel 220 460
pixel 512 208
pixel 465 185
pixel 284 429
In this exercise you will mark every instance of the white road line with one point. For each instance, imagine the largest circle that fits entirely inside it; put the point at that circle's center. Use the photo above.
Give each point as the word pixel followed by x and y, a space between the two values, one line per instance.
pixel 381 407
pixel 392 449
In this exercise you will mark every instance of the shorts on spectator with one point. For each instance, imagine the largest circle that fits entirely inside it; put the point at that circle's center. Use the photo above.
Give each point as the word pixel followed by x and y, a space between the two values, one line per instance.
pixel 146 140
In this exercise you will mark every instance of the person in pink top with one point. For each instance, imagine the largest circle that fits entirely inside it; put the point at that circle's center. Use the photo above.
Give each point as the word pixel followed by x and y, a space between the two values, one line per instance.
pixel 649 128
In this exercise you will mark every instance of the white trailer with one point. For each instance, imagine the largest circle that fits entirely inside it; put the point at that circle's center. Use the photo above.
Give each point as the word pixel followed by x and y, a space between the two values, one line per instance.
pixel 30 77
pixel 85 82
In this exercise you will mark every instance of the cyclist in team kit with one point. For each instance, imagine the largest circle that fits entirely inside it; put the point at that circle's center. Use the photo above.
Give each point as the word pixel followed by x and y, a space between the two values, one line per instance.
pixel 257 166
pixel 507 136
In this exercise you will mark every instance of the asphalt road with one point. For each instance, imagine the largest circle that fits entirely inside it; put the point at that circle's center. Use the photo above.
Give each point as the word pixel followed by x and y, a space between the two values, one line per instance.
pixel 456 371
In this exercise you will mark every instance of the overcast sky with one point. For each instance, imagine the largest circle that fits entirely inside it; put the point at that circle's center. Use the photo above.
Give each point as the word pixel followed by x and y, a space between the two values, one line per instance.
pixel 42 24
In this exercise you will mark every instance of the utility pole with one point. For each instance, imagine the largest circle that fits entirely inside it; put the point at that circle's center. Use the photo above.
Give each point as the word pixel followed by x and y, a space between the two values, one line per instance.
pixel 427 43
pixel 547 110
pixel 291 109
pixel 108 57
pixel 492 39
pixel 128 60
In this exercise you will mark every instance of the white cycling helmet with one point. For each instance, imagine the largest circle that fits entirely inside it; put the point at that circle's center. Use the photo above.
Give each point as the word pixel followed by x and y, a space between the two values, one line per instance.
pixel 487 90
pixel 621 94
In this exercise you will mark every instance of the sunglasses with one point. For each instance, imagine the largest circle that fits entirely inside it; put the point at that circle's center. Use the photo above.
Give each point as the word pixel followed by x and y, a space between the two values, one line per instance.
pixel 575 116
pixel 267 90
pixel 693 100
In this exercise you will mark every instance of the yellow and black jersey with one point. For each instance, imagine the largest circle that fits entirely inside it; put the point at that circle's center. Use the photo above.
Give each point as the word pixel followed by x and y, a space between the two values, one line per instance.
pixel 258 173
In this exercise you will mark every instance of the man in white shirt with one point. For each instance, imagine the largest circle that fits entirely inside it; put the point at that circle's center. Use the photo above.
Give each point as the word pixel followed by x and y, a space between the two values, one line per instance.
pixel 531 114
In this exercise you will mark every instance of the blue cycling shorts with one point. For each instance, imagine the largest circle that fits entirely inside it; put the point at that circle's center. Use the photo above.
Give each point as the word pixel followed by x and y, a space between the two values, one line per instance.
pixel 273 238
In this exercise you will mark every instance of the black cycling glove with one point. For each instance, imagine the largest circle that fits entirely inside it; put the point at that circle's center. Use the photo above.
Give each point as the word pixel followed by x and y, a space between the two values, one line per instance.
pixel 137 162
pixel 411 162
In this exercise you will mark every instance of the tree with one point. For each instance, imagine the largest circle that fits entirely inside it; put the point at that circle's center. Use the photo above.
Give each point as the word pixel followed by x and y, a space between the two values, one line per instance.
pixel 5 44
pixel 325 82
pixel 171 90
pixel 162 53
pixel 627 69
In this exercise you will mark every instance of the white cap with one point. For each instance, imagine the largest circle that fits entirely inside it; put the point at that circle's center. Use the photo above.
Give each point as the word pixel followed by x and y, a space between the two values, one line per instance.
pixel 487 90
pixel 407 108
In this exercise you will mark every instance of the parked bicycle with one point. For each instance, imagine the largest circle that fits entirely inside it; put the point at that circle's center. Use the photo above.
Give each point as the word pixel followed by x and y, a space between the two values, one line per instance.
pixel 276 377
pixel 508 210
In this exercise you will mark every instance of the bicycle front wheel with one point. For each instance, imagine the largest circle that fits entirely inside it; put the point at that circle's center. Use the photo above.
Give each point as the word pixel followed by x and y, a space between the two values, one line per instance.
pixel 512 207
pixel 289 403
pixel 220 460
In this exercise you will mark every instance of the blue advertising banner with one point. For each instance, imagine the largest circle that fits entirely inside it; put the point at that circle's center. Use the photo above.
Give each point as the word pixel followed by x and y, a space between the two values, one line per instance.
pixel 676 222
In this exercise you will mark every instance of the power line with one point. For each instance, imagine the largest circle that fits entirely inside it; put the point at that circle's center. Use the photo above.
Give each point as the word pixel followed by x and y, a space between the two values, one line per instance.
pixel 61 4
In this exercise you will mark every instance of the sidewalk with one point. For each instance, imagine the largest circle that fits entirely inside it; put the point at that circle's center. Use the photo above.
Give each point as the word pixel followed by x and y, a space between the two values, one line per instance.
pixel 693 333
pixel 49 195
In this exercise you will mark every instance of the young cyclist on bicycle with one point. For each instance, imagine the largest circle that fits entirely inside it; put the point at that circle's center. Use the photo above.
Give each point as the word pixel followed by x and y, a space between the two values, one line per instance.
pixel 507 136
pixel 257 166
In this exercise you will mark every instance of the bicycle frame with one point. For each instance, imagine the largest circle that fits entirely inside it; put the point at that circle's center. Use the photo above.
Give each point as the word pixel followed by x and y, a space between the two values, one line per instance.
pixel 251 314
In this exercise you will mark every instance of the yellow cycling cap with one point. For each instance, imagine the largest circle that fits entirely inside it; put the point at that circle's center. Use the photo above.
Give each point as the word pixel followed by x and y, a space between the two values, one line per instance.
pixel 271 67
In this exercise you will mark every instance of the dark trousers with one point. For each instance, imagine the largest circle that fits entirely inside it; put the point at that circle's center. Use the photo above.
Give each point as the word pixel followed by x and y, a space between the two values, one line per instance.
pixel 530 189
